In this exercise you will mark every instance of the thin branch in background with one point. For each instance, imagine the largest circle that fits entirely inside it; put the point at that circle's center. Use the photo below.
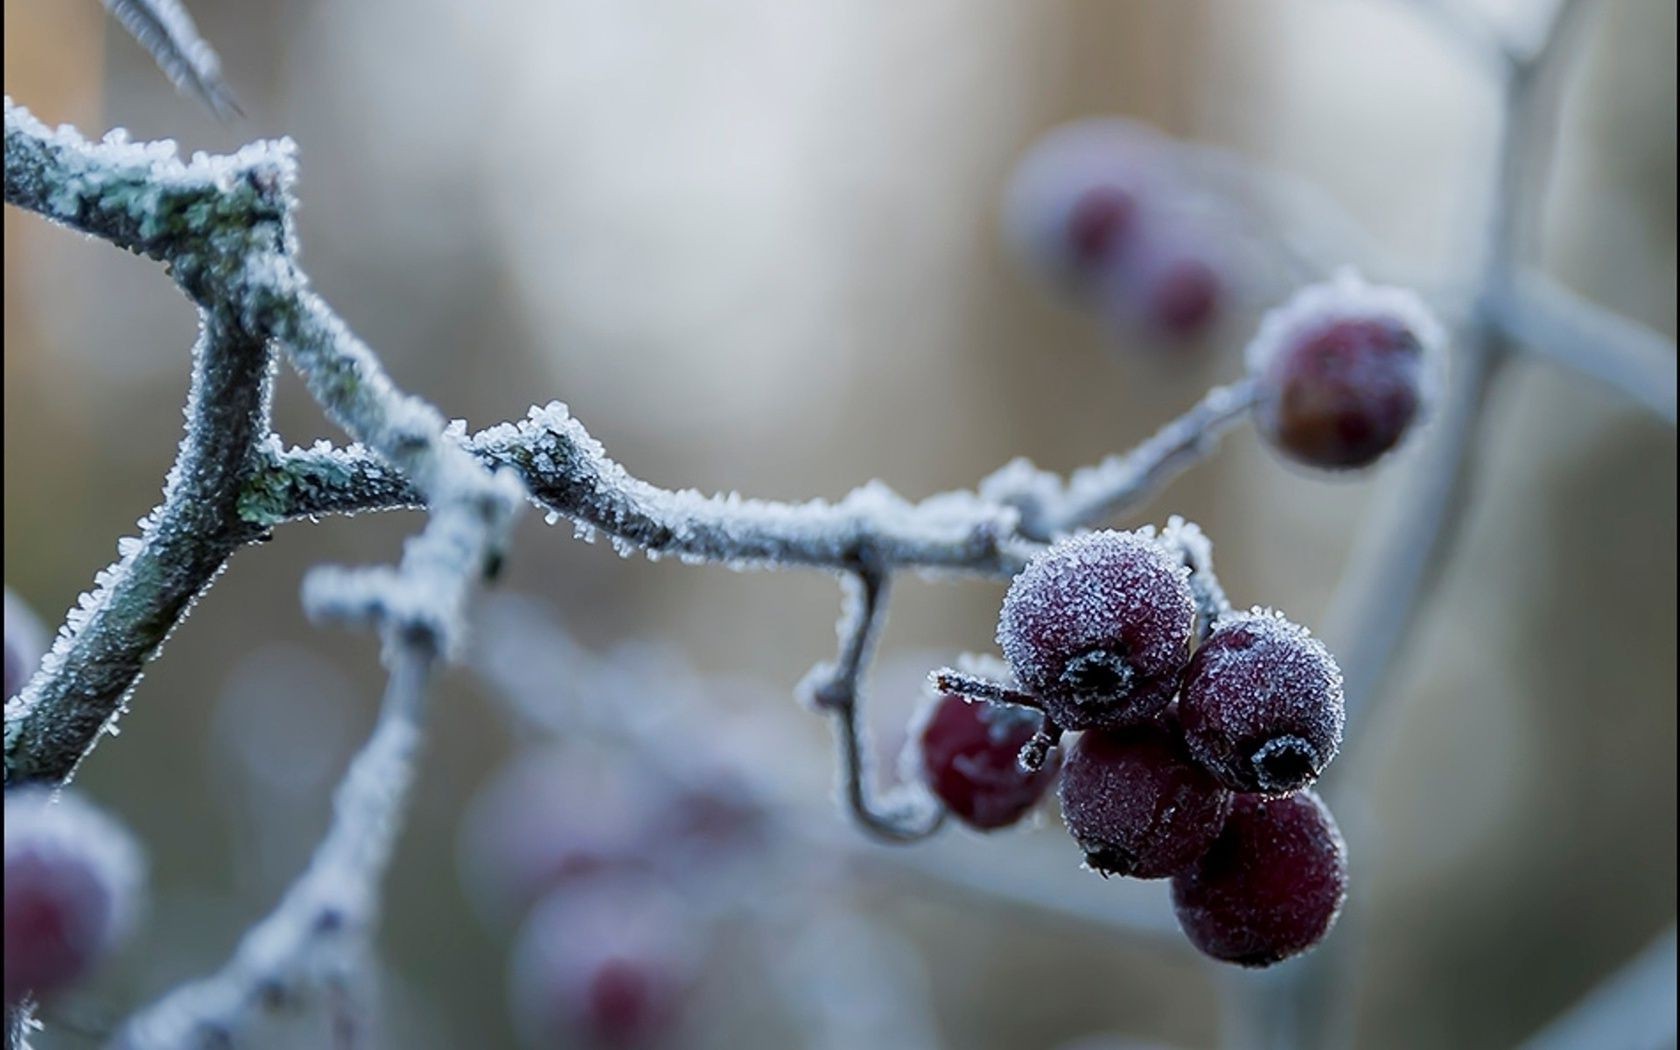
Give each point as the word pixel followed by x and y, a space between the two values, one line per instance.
pixel 166 31
pixel 1553 323
pixel 1631 1009
pixel 316 934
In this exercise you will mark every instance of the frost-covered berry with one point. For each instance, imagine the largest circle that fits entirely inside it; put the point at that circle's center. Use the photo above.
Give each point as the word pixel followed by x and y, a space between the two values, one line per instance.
pixel 72 880
pixel 547 818
pixel 602 964
pixel 1136 804
pixel 1344 371
pixel 1270 887
pixel 1098 628
pixel 1072 207
pixel 25 642
pixel 968 754
pixel 1262 704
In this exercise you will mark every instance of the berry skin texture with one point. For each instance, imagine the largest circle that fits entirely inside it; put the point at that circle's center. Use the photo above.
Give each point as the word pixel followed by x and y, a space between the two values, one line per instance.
pixel 24 644
pixel 71 879
pixel 1262 704
pixel 1344 372
pixel 1271 886
pixel 969 754
pixel 1098 629
pixel 602 965
pixel 1136 803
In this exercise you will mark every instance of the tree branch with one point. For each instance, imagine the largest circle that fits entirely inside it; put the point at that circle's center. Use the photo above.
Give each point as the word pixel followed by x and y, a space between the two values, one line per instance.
pixel 1543 317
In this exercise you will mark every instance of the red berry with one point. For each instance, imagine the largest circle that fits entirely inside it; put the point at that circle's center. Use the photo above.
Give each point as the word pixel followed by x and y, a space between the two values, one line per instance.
pixel 1183 296
pixel 24 644
pixel 70 883
pixel 970 759
pixel 1262 704
pixel 1072 206
pixel 1137 804
pixel 548 818
pixel 1098 628
pixel 602 965
pixel 1270 887
pixel 1344 372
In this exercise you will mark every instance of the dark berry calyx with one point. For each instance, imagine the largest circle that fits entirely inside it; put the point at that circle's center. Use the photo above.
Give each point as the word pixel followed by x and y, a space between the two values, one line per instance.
pixel 1096 676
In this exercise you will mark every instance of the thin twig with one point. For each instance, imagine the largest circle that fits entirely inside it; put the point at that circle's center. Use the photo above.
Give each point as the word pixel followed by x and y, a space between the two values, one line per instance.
pixel 314 934
pixel 1553 323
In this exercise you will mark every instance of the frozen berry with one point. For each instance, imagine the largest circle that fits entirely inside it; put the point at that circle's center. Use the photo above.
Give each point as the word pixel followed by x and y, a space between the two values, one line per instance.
pixel 1098 628
pixel 1137 804
pixel 24 644
pixel 548 818
pixel 1270 887
pixel 1171 285
pixel 969 756
pixel 72 877
pixel 1262 704
pixel 602 964
pixel 1072 206
pixel 1344 372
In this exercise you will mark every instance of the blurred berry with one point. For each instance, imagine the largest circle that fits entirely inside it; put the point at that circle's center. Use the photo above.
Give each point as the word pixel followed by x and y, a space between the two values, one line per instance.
pixel 547 818
pixel 969 756
pixel 1098 628
pixel 1071 208
pixel 1262 704
pixel 25 643
pixel 602 964
pixel 1136 804
pixel 1270 887
pixel 71 884
pixel 1344 372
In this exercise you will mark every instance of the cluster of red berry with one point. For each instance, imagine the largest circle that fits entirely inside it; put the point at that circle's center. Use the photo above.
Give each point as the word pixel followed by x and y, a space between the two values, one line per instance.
pixel 1190 764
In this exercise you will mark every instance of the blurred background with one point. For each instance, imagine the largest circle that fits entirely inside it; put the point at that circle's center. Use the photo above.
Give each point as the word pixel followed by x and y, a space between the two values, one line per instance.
pixel 755 246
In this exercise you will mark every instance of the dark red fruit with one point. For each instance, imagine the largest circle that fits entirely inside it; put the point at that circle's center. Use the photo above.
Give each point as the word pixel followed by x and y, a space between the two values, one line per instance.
pixel 1073 206
pixel 1262 705
pixel 970 760
pixel 603 966
pixel 1341 393
pixel 549 818
pixel 1098 628
pixel 1183 296
pixel 70 880
pixel 1137 804
pixel 1270 887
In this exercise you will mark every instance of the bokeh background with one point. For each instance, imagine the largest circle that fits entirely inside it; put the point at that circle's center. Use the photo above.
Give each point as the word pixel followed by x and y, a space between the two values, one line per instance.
pixel 754 245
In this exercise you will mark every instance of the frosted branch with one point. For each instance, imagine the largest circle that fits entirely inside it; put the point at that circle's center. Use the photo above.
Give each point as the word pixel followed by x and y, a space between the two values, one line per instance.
pixel 838 688
pixel 1551 322
pixel 203 219
pixel 1050 506
pixel 316 934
